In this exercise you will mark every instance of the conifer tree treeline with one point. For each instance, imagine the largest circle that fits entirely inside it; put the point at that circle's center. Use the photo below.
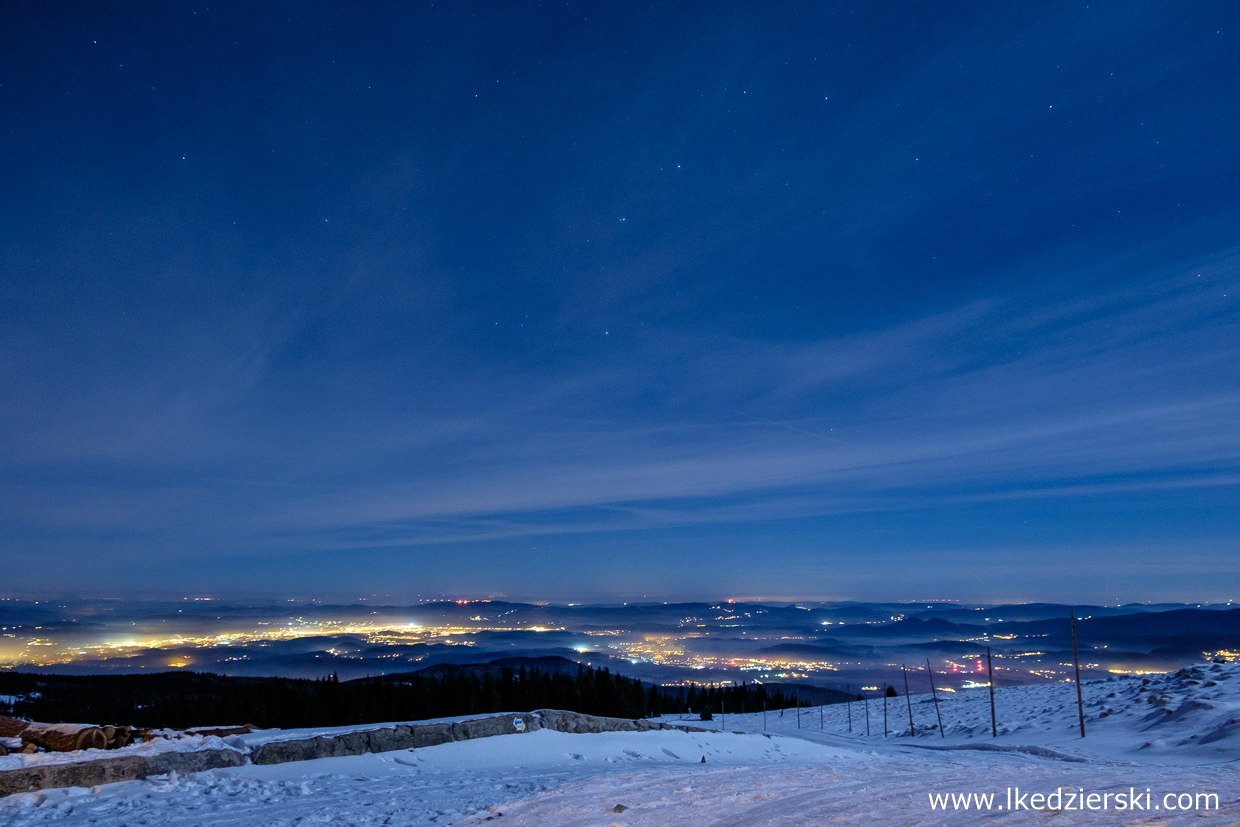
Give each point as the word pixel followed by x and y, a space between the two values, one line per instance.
pixel 181 700
pixel 732 699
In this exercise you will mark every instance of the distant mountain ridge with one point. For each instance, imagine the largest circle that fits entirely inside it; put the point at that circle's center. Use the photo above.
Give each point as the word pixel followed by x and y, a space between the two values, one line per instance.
pixel 551 664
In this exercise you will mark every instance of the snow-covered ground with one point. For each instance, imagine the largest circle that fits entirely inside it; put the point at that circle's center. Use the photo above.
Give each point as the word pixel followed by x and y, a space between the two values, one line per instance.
pixel 814 775
pixel 1187 717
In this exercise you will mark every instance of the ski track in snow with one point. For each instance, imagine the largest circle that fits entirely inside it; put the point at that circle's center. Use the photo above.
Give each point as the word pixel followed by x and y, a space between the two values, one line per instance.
pixel 1171 733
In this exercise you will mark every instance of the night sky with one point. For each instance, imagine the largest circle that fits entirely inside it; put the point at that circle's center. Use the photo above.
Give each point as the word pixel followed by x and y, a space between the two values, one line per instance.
pixel 613 301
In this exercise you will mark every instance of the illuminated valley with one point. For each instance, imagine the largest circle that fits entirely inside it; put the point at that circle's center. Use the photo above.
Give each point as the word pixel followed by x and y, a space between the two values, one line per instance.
pixel 842 646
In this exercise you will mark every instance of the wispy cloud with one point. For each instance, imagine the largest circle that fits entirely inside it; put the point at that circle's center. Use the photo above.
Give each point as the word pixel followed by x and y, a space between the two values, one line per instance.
pixel 1023 396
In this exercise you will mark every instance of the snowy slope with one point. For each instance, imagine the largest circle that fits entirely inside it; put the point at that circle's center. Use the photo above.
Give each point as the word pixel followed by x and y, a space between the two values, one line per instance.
pixel 1190 717
pixel 797 777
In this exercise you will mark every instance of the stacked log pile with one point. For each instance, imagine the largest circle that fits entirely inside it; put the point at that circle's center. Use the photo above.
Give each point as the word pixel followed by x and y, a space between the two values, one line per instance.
pixel 63 737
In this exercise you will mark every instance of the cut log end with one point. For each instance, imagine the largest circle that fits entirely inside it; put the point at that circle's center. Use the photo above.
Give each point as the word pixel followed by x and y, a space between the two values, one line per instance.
pixel 11 727
pixel 91 738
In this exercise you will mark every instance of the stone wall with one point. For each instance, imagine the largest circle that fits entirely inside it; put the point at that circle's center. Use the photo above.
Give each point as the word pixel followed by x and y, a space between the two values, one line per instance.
pixel 109 770
pixel 409 736
pixel 387 739
pixel 379 739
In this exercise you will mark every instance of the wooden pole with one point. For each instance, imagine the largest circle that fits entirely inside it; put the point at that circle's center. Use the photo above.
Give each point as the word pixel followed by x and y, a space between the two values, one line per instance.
pixel 934 692
pixel 908 700
pixel 848 692
pixel 885 687
pixel 994 728
pixel 867 717
pixel 1076 661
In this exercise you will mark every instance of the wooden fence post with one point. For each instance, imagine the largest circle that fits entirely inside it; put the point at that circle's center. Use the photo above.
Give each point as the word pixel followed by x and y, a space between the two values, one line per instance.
pixel 908 700
pixel 885 688
pixel 1076 661
pixel 934 692
pixel 994 728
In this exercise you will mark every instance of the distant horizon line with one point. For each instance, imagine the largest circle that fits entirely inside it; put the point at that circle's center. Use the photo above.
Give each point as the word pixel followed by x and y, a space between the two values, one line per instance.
pixel 387 601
